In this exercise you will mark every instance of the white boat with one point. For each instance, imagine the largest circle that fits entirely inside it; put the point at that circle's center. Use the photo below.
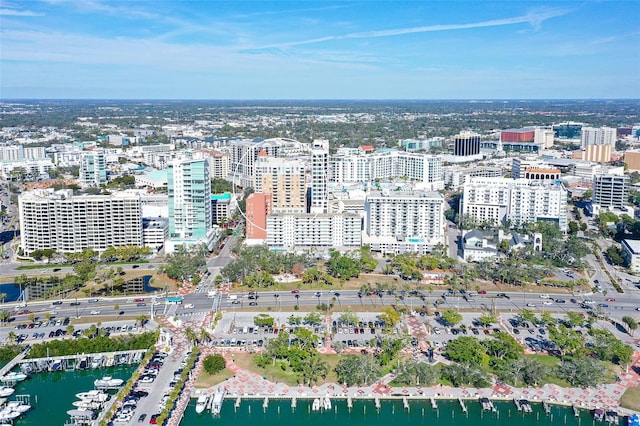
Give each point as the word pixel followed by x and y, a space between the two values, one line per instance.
pixel 81 414
pixel 14 377
pixel 85 403
pixel 18 406
pixel 96 362
pixel 94 395
pixel 108 382
pixel 6 391
pixel 8 414
pixel 316 404
pixel 327 403
pixel 201 404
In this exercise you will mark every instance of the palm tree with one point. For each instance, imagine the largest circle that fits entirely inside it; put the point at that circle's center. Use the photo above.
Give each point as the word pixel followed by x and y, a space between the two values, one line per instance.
pixel 204 335
pixel 312 369
pixel 2 297
pixel 191 335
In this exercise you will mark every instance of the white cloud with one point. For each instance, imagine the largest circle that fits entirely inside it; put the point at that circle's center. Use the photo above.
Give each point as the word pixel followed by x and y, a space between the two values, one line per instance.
pixel 535 18
pixel 14 12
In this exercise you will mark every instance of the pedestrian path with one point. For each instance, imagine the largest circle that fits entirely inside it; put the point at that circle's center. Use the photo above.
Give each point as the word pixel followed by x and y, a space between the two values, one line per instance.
pixel 250 384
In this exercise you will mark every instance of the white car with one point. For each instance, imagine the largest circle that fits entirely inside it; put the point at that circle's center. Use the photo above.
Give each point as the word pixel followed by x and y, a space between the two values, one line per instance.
pixel 547 302
pixel 544 296
pixel 95 312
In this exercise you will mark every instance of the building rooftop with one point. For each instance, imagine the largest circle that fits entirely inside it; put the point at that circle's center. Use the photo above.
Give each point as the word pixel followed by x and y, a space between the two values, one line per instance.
pixel 633 245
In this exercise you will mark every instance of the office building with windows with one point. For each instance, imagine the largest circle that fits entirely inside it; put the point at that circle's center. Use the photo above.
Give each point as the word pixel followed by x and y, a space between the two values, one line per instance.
pixel 466 144
pixel 611 191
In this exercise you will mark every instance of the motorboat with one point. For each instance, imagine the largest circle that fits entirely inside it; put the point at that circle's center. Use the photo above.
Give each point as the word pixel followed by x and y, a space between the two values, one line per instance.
pixel 85 403
pixel 598 415
pixel 6 391
pixel 81 414
pixel 108 381
pixel 633 420
pixel 93 395
pixel 201 404
pixel 14 377
pixel 7 414
pixel 18 406
pixel 326 403
pixel 96 362
pixel 315 406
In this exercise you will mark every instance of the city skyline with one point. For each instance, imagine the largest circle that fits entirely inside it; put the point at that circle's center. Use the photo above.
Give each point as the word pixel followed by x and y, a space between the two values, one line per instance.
pixel 319 50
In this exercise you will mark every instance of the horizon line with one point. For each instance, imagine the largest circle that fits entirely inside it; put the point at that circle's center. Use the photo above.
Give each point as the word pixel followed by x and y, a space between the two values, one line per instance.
pixel 317 99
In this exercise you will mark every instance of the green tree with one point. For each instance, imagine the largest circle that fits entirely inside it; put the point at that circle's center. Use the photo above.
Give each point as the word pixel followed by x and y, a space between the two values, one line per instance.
pixel 390 317
pixel 451 317
pixel 263 320
pixel 631 323
pixel 214 364
pixel 466 349
pixel 582 371
pixel 312 368
pixel 503 346
pixel 353 370
pixel 567 340
pixel 486 320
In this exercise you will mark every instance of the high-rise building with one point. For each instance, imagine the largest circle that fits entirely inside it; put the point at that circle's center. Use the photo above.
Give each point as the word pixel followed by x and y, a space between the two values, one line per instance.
pixel 466 144
pixel 244 154
pixel 189 190
pixel 93 168
pixel 567 130
pixel 258 206
pixel 515 201
pixel 302 230
pixel 598 136
pixel 427 170
pixel 319 175
pixel 611 190
pixel 396 222
pixel 284 180
pixel 67 223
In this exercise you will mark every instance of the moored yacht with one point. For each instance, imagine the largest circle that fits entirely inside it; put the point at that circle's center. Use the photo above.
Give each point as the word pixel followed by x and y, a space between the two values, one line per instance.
pixel 201 404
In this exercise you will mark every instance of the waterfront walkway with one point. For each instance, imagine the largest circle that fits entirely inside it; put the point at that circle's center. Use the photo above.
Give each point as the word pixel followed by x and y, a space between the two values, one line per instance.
pixel 249 384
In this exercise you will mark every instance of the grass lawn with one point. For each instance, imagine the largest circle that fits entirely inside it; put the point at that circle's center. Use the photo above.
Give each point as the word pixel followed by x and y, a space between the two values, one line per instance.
pixel 276 374
pixel 548 360
pixel 631 399
pixel 206 380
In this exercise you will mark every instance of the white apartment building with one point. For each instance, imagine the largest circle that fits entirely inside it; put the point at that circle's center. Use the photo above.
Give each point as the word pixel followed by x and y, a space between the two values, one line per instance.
pixel 319 175
pixel 598 136
pixel 244 154
pixel 396 222
pixel 289 231
pixel 498 200
pixel 155 231
pixel 423 168
pixel 20 152
pixel 32 168
pixel 456 176
pixel 68 223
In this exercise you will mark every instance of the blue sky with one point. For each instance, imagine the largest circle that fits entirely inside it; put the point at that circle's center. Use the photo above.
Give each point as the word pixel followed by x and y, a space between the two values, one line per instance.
pixel 319 50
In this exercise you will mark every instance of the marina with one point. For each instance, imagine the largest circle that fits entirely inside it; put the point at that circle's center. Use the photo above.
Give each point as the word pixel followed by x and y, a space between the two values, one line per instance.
pixel 52 395
pixel 363 412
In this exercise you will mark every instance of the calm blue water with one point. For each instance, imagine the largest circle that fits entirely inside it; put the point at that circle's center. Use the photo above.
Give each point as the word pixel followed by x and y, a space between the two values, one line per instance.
pixel 391 412
pixel 12 291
